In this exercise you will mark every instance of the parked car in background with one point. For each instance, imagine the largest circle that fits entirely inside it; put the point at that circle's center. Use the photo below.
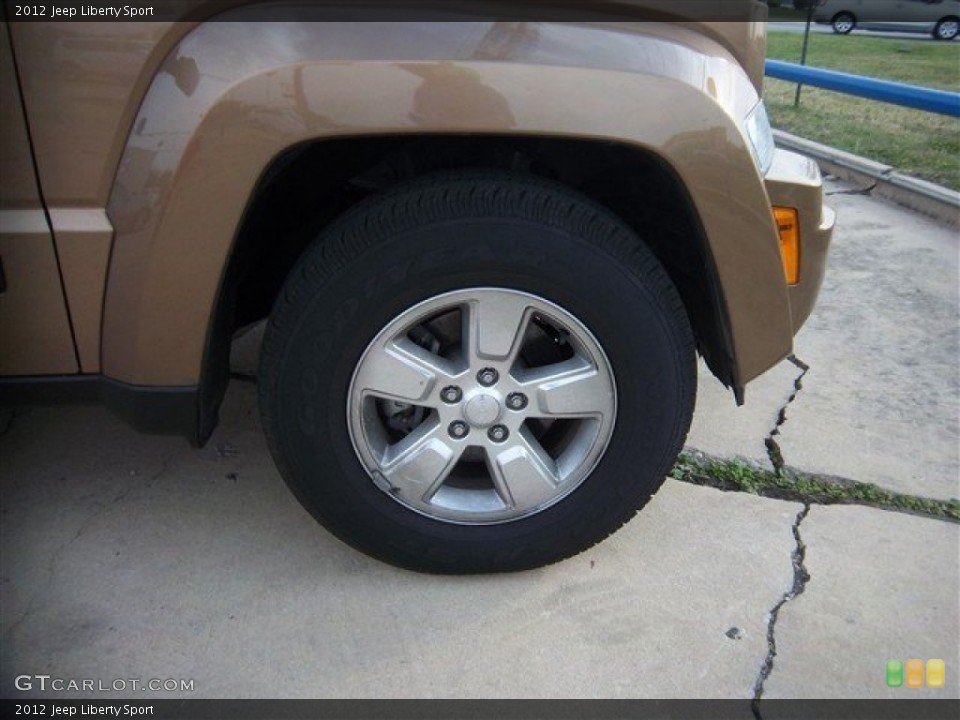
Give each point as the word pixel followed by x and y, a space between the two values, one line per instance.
pixel 940 18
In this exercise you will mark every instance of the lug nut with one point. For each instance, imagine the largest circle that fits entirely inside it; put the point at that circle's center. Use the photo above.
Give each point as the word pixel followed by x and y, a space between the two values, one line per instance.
pixel 498 433
pixel 451 394
pixel 458 429
pixel 487 377
pixel 516 401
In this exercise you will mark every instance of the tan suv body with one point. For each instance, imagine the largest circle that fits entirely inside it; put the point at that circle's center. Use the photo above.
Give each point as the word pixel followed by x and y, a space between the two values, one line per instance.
pixel 161 180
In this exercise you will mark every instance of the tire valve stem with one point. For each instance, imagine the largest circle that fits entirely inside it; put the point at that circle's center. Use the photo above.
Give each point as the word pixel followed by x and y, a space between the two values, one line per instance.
pixel 380 480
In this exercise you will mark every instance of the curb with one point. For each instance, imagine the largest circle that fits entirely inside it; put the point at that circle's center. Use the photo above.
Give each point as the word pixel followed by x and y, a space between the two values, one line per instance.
pixel 919 195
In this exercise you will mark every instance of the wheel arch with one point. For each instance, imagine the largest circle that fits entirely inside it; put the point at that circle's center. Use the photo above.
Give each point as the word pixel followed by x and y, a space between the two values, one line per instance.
pixel 636 184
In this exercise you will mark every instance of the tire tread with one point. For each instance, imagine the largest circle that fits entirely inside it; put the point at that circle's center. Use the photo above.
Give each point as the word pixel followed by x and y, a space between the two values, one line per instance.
pixel 456 196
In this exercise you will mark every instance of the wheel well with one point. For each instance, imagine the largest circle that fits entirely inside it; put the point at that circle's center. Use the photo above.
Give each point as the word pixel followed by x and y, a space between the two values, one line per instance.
pixel 310 185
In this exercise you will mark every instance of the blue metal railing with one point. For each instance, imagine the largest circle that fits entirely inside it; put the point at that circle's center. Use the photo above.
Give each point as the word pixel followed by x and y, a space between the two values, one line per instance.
pixel 935 101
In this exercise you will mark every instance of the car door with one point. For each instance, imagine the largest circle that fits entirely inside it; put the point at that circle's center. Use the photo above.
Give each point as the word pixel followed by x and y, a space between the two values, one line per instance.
pixel 909 15
pixel 919 10
pixel 35 333
pixel 877 11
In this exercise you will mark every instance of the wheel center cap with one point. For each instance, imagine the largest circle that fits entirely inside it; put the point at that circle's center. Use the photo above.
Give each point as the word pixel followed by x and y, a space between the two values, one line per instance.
pixel 482 410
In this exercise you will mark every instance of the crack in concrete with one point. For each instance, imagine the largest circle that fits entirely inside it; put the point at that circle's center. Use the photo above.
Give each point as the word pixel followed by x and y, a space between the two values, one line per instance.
pixel 741 475
pixel 800 579
pixel 773 448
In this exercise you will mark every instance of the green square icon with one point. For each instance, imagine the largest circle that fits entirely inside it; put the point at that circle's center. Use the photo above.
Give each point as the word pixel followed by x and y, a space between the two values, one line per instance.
pixel 894 673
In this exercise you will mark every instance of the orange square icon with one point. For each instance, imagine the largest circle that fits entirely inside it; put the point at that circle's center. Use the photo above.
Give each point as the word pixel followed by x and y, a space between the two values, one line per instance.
pixel 936 673
pixel 914 673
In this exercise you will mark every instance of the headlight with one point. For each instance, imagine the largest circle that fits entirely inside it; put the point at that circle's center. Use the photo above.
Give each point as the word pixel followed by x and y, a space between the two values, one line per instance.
pixel 761 137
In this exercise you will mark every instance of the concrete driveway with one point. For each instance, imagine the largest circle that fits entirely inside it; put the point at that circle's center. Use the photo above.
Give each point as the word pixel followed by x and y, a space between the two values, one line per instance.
pixel 127 556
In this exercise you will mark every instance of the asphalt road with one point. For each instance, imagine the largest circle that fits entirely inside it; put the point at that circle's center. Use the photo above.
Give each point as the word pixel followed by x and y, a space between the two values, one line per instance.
pixel 125 556
pixel 799 27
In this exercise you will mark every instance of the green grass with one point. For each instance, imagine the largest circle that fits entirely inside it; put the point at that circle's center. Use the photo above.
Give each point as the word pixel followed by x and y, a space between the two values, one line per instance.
pixel 918 143
pixel 700 469
pixel 929 64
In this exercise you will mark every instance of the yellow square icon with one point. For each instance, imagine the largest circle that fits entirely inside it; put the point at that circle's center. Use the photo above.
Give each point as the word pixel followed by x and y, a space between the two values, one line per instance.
pixel 936 673
pixel 914 673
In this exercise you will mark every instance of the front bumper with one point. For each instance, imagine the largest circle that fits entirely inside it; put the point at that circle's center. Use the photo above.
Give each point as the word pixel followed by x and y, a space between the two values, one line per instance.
pixel 794 181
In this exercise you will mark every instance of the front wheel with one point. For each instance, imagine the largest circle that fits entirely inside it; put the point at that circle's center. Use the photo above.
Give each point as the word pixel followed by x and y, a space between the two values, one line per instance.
pixel 946 29
pixel 477 372
pixel 843 23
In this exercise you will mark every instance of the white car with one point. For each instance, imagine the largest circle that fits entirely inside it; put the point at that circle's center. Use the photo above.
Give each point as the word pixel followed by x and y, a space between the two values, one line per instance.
pixel 940 18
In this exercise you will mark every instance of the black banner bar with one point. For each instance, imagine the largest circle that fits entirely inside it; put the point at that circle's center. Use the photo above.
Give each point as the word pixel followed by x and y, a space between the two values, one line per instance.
pixel 381 10
pixel 916 709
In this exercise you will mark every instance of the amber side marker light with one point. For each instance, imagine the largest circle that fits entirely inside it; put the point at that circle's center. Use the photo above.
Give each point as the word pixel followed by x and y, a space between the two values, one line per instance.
pixel 788 227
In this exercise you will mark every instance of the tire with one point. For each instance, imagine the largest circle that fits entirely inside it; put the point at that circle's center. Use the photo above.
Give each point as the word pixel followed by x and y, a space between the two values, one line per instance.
pixel 946 29
pixel 568 438
pixel 843 23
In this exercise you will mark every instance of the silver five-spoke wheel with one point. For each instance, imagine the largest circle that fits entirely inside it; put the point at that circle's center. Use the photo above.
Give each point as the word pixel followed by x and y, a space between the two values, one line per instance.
pixel 481 406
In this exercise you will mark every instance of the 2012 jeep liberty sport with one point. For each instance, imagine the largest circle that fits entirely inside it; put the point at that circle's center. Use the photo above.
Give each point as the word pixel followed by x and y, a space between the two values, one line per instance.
pixel 489 251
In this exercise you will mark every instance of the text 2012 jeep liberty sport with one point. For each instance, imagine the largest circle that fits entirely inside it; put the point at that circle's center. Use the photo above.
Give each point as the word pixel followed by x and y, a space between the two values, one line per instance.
pixel 489 251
